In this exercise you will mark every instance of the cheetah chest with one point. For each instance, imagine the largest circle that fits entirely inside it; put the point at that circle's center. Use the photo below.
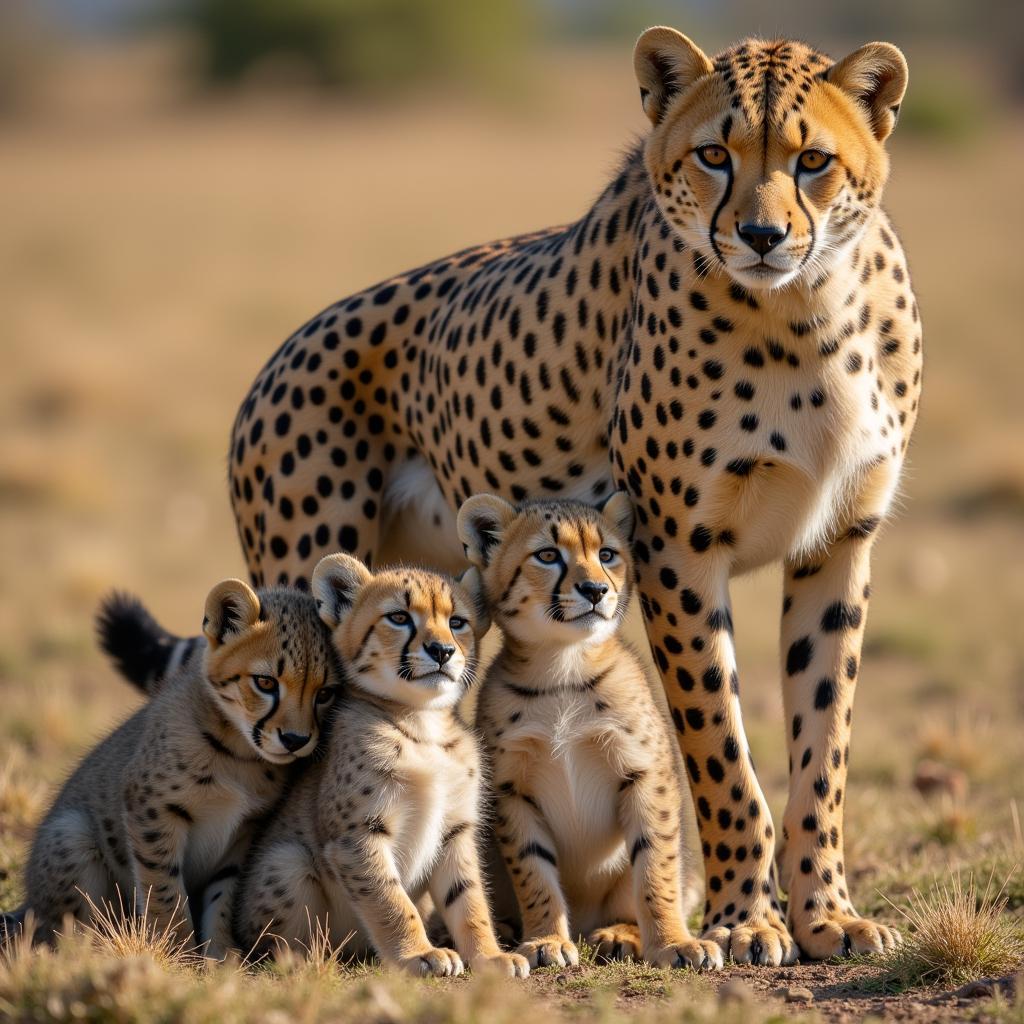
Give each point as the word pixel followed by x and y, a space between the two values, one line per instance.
pixel 812 453
pixel 572 780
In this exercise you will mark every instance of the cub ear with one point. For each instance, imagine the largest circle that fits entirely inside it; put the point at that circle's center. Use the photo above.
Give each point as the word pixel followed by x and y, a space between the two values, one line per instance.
pixel 618 509
pixel 232 607
pixel 482 518
pixel 666 63
pixel 336 581
pixel 876 77
pixel 473 584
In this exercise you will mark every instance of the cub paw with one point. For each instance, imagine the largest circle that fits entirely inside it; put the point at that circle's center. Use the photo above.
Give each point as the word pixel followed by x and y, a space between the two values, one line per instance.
pixel 698 954
pixel 616 942
pixel 766 944
pixel 434 963
pixel 508 965
pixel 844 935
pixel 548 950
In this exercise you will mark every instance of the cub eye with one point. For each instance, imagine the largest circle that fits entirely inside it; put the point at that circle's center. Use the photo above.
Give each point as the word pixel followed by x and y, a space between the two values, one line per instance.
pixel 399 618
pixel 608 554
pixel 325 695
pixel 813 160
pixel 547 555
pixel 265 684
pixel 714 156
pixel 458 622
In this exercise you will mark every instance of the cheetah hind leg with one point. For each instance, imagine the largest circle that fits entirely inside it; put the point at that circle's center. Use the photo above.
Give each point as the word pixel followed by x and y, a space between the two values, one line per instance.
pixel 616 942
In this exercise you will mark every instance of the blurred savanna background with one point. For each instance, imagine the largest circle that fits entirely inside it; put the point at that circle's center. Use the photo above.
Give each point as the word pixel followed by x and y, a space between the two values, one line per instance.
pixel 183 182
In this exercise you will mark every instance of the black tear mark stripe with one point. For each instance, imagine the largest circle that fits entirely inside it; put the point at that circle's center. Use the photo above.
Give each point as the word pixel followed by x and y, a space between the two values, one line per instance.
pixel 810 220
pixel 257 729
pixel 535 849
pixel 403 661
pixel 713 229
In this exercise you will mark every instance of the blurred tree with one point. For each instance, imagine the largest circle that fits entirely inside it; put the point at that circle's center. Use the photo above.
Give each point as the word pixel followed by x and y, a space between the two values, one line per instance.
pixel 369 45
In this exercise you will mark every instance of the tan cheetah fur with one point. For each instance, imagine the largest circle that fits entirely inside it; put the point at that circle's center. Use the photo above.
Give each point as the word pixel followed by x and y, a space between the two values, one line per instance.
pixel 149 813
pixel 392 809
pixel 586 790
pixel 729 333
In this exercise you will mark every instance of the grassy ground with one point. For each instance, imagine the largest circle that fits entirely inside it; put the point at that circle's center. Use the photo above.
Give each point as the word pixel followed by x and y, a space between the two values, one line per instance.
pixel 147 268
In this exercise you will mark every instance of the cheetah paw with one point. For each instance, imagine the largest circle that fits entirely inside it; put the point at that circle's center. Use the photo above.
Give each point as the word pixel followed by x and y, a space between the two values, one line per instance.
pixel 548 950
pixel 616 942
pixel 437 962
pixel 844 935
pixel 508 965
pixel 698 954
pixel 766 945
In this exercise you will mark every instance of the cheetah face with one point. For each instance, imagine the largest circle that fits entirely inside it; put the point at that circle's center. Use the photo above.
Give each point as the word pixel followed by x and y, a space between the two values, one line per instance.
pixel 270 666
pixel 555 572
pixel 406 635
pixel 768 160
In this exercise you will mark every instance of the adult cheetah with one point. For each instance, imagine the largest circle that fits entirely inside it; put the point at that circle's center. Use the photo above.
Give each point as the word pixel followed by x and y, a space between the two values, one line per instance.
pixel 729 333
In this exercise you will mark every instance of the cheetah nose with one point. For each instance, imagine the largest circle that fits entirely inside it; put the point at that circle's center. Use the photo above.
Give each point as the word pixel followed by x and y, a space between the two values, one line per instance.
pixel 762 238
pixel 292 741
pixel 439 652
pixel 592 590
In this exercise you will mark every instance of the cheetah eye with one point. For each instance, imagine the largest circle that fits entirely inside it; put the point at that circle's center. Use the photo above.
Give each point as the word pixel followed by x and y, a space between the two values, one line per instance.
pixel 608 555
pixel 265 684
pixel 458 622
pixel 399 618
pixel 813 160
pixel 325 695
pixel 547 556
pixel 716 157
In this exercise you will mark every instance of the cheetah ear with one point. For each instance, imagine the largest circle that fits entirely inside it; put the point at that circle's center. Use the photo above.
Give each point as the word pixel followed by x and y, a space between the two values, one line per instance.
pixel 473 584
pixel 482 519
pixel 336 581
pixel 232 607
pixel 666 63
pixel 618 509
pixel 876 77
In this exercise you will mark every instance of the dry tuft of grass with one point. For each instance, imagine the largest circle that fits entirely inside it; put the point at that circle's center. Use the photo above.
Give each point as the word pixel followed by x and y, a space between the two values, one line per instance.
pixel 956 934
pixel 114 931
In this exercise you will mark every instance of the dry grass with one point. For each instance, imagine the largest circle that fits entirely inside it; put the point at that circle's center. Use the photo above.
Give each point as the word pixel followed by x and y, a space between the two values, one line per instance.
pixel 955 933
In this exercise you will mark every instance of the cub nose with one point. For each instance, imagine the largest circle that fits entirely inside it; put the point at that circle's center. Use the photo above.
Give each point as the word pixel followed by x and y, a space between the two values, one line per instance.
pixel 592 591
pixel 762 238
pixel 292 741
pixel 439 652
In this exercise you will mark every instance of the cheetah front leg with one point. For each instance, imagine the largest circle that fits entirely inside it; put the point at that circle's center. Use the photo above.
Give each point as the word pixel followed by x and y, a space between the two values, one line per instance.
pixel 651 825
pixel 826 600
pixel 456 886
pixel 364 865
pixel 685 595
pixel 157 839
pixel 529 851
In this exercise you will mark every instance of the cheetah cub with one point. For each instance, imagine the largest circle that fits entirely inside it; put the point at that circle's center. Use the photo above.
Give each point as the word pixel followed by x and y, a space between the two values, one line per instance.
pixel 147 816
pixel 392 809
pixel 586 790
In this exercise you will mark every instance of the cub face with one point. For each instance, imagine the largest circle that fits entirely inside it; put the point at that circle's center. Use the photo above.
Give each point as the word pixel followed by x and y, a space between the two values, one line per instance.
pixel 554 572
pixel 769 159
pixel 270 666
pixel 404 634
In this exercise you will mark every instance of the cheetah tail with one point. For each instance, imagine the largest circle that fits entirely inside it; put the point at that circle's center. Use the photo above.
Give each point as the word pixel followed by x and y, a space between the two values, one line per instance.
pixel 142 650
